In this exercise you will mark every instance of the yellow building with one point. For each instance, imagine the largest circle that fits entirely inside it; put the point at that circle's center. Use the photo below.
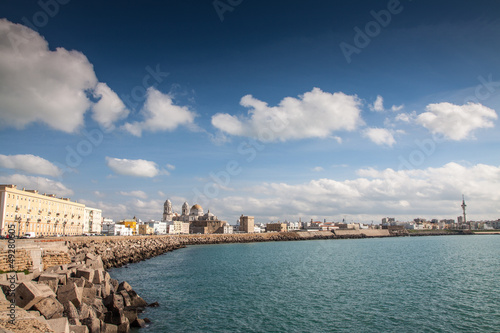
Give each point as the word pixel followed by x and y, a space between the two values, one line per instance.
pixel 44 214
pixel 131 224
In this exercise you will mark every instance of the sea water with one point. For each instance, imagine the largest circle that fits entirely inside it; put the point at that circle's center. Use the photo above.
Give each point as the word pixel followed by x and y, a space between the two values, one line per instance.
pixel 407 284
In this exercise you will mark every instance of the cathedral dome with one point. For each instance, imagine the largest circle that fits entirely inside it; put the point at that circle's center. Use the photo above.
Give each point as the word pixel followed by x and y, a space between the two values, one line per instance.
pixel 196 210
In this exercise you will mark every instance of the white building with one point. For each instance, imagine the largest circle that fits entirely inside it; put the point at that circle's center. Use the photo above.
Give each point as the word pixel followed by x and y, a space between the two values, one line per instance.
pixel 160 228
pixel 92 221
pixel 122 230
pixel 108 227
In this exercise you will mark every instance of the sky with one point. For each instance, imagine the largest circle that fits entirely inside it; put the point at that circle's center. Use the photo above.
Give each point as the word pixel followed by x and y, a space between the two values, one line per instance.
pixel 283 110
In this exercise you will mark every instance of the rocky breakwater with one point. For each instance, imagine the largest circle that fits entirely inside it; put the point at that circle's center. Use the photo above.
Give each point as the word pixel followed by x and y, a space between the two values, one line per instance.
pixel 117 251
pixel 77 297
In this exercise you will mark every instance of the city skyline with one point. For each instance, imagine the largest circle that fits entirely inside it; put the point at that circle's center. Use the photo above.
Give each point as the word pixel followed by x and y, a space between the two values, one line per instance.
pixel 280 111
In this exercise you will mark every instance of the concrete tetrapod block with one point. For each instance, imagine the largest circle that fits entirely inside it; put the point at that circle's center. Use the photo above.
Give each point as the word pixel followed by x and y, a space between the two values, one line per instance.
pixel 50 308
pixel 88 274
pixel 59 325
pixel 50 279
pixel 70 292
pixel 29 293
pixel 71 313
pixel 78 329
pixel 98 276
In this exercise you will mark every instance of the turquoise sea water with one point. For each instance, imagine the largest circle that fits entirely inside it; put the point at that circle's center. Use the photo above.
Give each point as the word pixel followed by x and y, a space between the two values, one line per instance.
pixel 410 284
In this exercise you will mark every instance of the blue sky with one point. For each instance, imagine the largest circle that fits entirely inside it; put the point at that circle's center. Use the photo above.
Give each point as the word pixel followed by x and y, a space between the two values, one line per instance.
pixel 284 110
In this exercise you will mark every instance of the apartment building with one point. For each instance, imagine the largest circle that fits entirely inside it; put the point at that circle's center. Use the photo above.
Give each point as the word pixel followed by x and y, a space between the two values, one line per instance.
pixel 44 214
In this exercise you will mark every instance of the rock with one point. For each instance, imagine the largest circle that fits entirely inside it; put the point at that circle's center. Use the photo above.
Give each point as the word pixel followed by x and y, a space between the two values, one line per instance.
pixel 108 328
pixel 130 313
pixel 78 329
pixel 138 323
pixel 71 313
pixel 70 292
pixel 29 293
pixel 137 300
pixel 87 274
pixel 124 286
pixel 59 325
pixel 124 328
pixel 127 301
pixel 89 295
pixel 93 324
pixel 98 276
pixel 80 282
pixel 114 301
pixel 50 308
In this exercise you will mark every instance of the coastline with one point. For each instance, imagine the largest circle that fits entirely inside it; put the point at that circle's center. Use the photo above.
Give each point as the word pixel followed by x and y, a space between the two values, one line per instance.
pixel 97 254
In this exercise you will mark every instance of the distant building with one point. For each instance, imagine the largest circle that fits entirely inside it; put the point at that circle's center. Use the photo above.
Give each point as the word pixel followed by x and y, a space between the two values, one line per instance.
pixel 159 228
pixel 108 227
pixel 276 227
pixel 247 224
pixel 145 229
pixel 199 223
pixel 130 224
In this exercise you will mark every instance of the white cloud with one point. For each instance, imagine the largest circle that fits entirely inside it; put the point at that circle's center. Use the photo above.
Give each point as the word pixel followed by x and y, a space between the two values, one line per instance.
pixel 40 85
pixel 316 114
pixel 29 163
pixel 406 117
pixel 378 105
pixel 160 114
pixel 318 169
pixel 43 185
pixel 380 136
pixel 109 108
pixel 456 122
pixel 137 194
pixel 396 108
pixel 136 168
pixel 405 194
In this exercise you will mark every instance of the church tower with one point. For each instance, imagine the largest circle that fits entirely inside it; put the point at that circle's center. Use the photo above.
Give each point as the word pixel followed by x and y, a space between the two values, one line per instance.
pixel 185 209
pixel 167 211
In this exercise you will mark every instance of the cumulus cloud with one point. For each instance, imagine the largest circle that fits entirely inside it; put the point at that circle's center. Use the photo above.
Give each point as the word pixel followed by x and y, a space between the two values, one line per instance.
pixel 136 194
pixel 380 136
pixel 51 87
pixel 160 114
pixel 316 114
pixel 29 163
pixel 109 108
pixel 456 122
pixel 135 168
pixel 378 105
pixel 41 184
